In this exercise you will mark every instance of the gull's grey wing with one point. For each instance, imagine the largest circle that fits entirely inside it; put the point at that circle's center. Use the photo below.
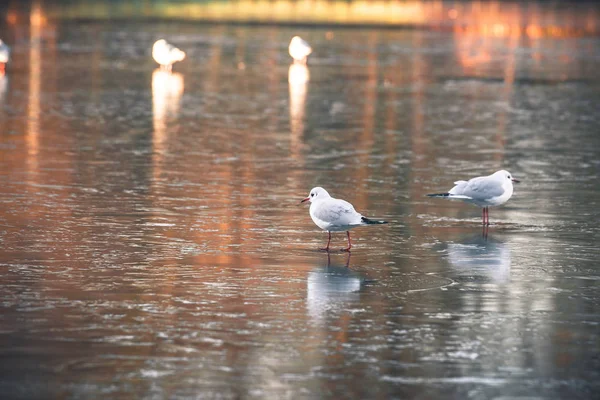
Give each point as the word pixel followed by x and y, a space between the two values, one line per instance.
pixel 483 188
pixel 459 188
pixel 338 212
pixel 305 43
pixel 171 49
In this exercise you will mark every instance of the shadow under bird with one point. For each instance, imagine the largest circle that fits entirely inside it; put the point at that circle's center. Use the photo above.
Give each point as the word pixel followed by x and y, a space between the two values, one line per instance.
pixel 483 191
pixel 165 54
pixel 299 50
pixel 4 56
pixel 335 215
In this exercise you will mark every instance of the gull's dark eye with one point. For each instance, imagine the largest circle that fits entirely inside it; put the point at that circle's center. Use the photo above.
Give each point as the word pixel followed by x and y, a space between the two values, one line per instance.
pixel 312 194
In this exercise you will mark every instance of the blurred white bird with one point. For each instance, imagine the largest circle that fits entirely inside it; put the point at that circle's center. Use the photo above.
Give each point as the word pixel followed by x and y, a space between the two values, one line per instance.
pixel 483 191
pixel 4 56
pixel 165 54
pixel 299 50
pixel 335 215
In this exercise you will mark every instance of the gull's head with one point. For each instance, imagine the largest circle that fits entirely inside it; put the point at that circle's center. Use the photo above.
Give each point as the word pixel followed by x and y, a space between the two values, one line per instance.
pixel 317 193
pixel 159 42
pixel 297 41
pixel 506 176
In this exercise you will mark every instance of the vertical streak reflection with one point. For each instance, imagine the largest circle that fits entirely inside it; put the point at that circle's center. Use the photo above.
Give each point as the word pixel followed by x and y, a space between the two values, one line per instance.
pixel 3 88
pixel 419 140
pixel 367 138
pixel 33 104
pixel 167 89
pixel 509 79
pixel 298 77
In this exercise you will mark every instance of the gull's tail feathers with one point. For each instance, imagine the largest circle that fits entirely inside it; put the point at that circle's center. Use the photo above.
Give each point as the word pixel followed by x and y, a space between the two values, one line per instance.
pixel 368 221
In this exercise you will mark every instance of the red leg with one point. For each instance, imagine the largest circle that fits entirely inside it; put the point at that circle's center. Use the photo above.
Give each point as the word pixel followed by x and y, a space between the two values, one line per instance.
pixel 349 242
pixel 487 216
pixel 329 241
pixel 483 216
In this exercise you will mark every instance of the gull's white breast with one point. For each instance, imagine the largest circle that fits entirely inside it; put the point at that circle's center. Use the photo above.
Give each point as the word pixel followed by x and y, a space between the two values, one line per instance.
pixel 499 200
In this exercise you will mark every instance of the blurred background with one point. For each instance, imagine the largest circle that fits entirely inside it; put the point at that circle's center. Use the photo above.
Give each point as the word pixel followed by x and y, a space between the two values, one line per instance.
pixel 151 241
pixel 498 18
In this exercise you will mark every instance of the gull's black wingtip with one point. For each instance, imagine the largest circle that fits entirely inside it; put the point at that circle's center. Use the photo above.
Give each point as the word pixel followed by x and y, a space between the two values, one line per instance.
pixel 372 221
pixel 438 195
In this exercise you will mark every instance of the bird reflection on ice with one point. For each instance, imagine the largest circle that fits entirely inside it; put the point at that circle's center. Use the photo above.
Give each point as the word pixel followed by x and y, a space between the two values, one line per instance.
pixel 331 288
pixel 298 78
pixel 3 87
pixel 481 256
pixel 167 89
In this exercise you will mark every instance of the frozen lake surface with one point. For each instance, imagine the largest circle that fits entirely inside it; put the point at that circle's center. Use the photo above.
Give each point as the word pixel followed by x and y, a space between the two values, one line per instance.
pixel 152 245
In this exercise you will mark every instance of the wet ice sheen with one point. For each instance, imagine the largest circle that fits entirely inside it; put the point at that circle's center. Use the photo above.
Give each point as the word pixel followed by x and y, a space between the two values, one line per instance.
pixel 152 245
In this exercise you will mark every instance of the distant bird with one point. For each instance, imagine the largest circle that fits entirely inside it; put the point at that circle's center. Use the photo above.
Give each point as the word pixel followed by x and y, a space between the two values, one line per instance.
pixel 4 56
pixel 165 54
pixel 483 191
pixel 299 50
pixel 335 215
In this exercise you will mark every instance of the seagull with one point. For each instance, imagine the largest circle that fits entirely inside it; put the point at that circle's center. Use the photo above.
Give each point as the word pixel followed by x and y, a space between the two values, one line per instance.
pixel 483 191
pixel 166 54
pixel 299 50
pixel 335 215
pixel 4 56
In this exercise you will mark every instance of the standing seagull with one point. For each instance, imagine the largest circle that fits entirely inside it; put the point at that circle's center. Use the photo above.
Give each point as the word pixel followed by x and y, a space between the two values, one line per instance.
pixel 299 50
pixel 4 56
pixel 483 191
pixel 166 54
pixel 335 215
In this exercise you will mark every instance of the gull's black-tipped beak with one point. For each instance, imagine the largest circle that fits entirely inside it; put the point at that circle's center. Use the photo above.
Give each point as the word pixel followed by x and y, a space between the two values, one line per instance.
pixel 306 199
pixel 515 180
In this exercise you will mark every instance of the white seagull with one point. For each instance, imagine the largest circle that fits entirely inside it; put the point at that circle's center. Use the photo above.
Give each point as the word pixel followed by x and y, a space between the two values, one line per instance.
pixel 165 54
pixel 299 50
pixel 4 56
pixel 335 215
pixel 483 191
